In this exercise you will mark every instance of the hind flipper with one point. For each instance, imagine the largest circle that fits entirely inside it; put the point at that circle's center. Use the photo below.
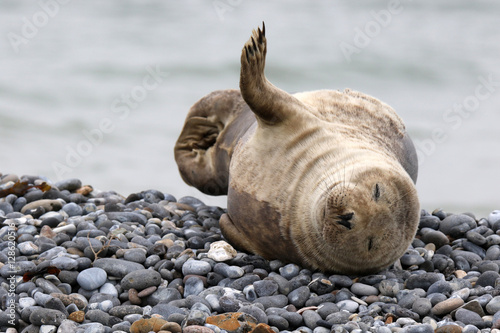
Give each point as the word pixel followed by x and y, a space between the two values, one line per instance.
pixel 204 148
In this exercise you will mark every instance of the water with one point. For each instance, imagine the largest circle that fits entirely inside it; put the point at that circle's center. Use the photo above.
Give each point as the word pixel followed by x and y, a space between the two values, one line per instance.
pixel 99 90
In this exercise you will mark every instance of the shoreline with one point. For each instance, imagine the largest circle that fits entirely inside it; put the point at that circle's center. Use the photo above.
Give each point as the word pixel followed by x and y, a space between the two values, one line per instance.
pixel 75 259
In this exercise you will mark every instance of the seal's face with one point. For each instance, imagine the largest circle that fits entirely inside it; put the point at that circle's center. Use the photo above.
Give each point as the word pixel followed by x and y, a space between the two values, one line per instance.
pixel 370 221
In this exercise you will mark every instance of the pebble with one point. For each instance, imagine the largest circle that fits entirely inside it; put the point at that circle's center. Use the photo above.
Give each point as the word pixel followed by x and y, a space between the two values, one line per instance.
pixel 92 278
pixel 221 251
pixel 141 279
pixel 196 267
pixel 447 306
pixel 362 289
pixel 162 259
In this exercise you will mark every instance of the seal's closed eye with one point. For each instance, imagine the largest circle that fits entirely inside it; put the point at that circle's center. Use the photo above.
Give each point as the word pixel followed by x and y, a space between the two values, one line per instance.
pixel 376 192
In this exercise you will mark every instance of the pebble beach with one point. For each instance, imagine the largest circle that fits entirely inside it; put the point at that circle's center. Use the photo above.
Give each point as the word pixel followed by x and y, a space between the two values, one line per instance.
pixel 77 259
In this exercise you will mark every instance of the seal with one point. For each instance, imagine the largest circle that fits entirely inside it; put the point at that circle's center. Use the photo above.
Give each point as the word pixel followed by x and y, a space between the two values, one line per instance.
pixel 325 179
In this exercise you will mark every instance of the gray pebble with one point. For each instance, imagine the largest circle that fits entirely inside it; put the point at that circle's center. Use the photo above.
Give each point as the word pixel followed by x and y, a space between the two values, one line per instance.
pixel 327 308
pixel 193 286
pixel 341 281
pixel 423 328
pixel 468 317
pixel 42 316
pixel 293 318
pixel 422 306
pixel 265 287
pixel 196 317
pixel 121 311
pixel 196 267
pixel 362 289
pixel 457 225
pixel 135 255
pixel 72 209
pixel 289 271
pixel 166 310
pixel 348 305
pixel 257 313
pixel 92 278
pixel 311 318
pixel 108 289
pixel 493 306
pixel 441 287
pixel 277 321
pixel 232 272
pixel 141 279
pixel 276 301
pixel 47 286
pixel 411 259
pixel 299 296
pixel 340 317
pixel 28 248
pixel 117 267
pixel 71 184
pixel 423 281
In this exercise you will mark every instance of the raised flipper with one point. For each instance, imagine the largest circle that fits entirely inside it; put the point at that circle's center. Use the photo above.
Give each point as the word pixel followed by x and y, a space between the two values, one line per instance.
pixel 270 104
pixel 212 128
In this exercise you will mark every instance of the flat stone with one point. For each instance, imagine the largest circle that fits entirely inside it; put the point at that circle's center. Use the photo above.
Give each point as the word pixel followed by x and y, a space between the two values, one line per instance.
pixel 121 311
pixel 47 204
pixel 362 289
pixel 447 306
pixel 117 267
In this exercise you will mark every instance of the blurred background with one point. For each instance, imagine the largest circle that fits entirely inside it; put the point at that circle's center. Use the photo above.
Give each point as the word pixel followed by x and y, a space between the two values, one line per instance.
pixel 99 90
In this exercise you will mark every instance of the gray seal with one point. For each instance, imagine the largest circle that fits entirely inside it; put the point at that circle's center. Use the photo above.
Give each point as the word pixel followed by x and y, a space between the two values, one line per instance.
pixel 325 179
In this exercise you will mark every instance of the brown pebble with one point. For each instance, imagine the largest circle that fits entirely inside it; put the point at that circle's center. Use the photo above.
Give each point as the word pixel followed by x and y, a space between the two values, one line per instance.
pixel 85 190
pixel 77 316
pixel 74 250
pixel 133 298
pixel 46 231
pixel 371 299
pixel 449 329
pixel 76 299
pixel 233 322
pixel 171 327
pixel 147 325
pixel 148 291
pixel 447 306
pixel 262 328
pixel 460 274
pixel 167 242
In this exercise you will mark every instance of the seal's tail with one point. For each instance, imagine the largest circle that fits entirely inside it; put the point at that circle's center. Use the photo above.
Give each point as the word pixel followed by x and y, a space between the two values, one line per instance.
pixel 205 146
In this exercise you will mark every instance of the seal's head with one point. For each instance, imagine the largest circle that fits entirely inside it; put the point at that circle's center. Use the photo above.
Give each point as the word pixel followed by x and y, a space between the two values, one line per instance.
pixel 368 221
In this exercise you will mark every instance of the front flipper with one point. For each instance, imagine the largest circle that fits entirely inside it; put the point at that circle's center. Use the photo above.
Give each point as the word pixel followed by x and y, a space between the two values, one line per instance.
pixel 270 104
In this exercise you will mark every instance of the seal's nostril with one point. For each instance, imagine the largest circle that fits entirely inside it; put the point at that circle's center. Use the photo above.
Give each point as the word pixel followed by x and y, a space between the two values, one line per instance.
pixel 346 217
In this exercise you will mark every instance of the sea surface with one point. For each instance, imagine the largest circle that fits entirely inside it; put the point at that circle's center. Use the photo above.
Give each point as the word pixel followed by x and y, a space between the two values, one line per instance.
pixel 99 90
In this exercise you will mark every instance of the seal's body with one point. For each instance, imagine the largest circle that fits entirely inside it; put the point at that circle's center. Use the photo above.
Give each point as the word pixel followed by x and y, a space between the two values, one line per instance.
pixel 324 178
